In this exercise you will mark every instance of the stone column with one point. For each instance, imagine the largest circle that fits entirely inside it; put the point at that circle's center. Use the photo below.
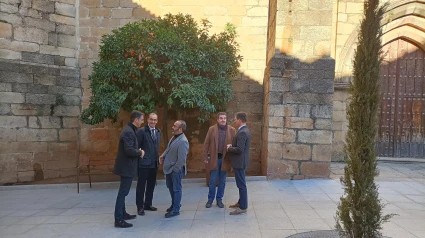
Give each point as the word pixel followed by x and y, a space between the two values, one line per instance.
pixel 299 119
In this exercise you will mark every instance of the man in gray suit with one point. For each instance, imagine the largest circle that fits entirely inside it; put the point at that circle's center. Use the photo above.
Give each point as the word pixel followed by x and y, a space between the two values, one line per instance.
pixel 239 159
pixel 174 159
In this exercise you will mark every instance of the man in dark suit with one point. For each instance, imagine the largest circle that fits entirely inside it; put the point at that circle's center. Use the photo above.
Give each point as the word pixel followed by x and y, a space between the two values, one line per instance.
pixel 174 159
pixel 239 159
pixel 148 138
pixel 126 166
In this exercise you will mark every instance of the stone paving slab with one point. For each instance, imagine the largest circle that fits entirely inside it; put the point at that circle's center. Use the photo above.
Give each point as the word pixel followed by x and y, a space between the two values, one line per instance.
pixel 277 208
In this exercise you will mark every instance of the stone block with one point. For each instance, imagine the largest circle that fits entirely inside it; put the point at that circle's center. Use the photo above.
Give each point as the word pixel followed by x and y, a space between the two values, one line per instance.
pixel 69 72
pixel 65 29
pixel 9 177
pixel 13 121
pixel 257 12
pixel 19 46
pixel 37 58
pixel 322 111
pixel 31 34
pixel 91 3
pixel 65 90
pixel 30 109
pixel 322 153
pixel 276 122
pixel 43 5
pixel 101 146
pixel 62 19
pixel 290 110
pixel 6 87
pixel 274 150
pixel 122 13
pixel 298 123
pixel 4 109
pixel 71 62
pixel 315 170
pixel 128 3
pixel 45 79
pixel 304 111
pixel 300 86
pixel 70 122
pixel 281 169
pixel 323 124
pixel 254 21
pixel 315 137
pixel 14 19
pixel 52 50
pixel 20 87
pixel 40 98
pixel 7 134
pixel 5 30
pixel 275 97
pixel 215 11
pixel 71 100
pixel 308 98
pixel 26 176
pixel 322 86
pixel 25 134
pixel 68 135
pixel 53 39
pixel 8 8
pixel 13 77
pixel 65 9
pixel 43 24
pixel 23 147
pixel 59 60
pixel 278 84
pixel 281 135
pixel 111 3
pixel 8 163
pixel 100 12
pixel 68 81
pixel 9 54
pixel 44 122
pixel 296 152
pixel 11 97
pixel 66 110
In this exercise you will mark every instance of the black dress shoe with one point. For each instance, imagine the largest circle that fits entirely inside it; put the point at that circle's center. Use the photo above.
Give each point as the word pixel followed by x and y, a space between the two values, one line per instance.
pixel 129 217
pixel 141 212
pixel 171 208
pixel 171 214
pixel 122 224
pixel 150 208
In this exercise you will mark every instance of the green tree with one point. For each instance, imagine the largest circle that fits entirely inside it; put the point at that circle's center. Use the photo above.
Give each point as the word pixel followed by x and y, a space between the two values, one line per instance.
pixel 170 62
pixel 359 212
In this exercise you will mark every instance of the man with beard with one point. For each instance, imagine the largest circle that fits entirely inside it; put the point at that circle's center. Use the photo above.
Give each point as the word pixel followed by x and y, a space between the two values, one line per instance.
pixel 148 138
pixel 126 166
pixel 215 160
pixel 174 159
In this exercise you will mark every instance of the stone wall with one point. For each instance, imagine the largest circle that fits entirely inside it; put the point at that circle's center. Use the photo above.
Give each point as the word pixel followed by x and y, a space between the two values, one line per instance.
pixel 300 118
pixel 99 17
pixel 40 90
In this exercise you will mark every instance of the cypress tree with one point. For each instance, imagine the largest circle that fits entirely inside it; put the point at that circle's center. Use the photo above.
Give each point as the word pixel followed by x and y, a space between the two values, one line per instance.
pixel 360 212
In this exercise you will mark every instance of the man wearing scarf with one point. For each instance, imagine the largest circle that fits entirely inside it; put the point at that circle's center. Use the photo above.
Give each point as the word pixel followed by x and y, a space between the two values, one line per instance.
pixel 215 159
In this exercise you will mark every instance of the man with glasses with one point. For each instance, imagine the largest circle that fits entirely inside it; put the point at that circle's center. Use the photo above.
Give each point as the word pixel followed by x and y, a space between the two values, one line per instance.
pixel 148 138
pixel 239 156
pixel 174 159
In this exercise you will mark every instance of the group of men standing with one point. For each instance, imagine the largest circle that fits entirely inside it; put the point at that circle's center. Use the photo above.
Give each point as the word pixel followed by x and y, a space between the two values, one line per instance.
pixel 138 153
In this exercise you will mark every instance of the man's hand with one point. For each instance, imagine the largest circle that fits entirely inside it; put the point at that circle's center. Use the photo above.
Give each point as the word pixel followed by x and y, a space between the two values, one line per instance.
pixel 143 153
pixel 228 146
pixel 206 161
pixel 161 159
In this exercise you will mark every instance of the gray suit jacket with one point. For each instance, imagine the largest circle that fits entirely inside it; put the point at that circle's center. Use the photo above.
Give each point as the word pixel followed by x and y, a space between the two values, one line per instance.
pixel 239 151
pixel 175 155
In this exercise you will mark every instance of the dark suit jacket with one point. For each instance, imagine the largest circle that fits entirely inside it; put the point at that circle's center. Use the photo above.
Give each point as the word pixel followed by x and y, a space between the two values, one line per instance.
pixel 239 151
pixel 151 147
pixel 128 152
pixel 175 155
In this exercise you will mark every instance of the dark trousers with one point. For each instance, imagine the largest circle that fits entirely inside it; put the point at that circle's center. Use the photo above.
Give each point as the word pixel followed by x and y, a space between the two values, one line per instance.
pixel 125 186
pixel 145 186
pixel 221 176
pixel 241 184
pixel 174 185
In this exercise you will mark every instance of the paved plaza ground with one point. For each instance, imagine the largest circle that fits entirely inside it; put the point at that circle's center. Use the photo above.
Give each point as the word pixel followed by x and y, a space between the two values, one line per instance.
pixel 277 208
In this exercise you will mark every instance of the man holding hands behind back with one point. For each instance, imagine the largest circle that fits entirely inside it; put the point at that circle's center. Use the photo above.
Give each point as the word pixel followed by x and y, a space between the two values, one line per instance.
pixel 148 138
pixel 126 166
pixel 174 159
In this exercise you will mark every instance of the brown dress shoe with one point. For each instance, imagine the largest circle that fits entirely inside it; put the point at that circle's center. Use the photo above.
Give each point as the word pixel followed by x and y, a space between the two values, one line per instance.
pixel 238 211
pixel 236 205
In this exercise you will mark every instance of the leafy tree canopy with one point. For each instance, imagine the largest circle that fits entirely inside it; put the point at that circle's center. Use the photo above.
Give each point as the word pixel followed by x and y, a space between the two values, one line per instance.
pixel 166 62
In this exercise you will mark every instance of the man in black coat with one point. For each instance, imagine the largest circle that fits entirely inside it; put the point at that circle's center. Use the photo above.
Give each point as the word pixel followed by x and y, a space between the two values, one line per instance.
pixel 126 166
pixel 239 159
pixel 148 137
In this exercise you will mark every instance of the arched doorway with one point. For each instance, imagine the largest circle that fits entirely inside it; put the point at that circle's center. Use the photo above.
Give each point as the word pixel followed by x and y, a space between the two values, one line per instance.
pixel 401 115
